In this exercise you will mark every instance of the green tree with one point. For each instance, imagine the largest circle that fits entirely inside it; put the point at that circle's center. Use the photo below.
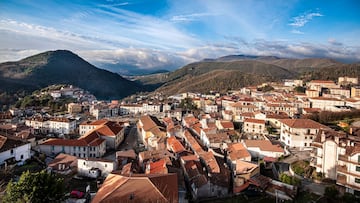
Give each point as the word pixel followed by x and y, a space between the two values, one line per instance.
pixel 300 89
pixel 35 187
pixel 187 104
pixel 331 192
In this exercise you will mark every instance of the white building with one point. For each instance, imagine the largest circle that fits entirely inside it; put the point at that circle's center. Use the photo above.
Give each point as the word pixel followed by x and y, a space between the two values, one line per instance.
pixel 90 145
pixel 263 148
pixel 61 125
pixel 325 103
pixel 299 132
pixel 85 166
pixel 12 151
pixel 337 157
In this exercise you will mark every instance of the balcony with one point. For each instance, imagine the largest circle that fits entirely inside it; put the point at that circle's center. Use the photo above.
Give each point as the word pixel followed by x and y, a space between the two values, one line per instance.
pixel 313 162
pixel 342 180
pixel 344 169
pixel 346 159
pixel 316 144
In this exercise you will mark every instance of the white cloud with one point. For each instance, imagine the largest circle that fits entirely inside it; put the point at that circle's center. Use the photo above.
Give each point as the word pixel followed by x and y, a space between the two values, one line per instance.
pixel 297 32
pixel 190 17
pixel 302 20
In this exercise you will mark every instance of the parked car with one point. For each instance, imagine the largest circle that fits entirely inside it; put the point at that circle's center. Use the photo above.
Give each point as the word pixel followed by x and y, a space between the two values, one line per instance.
pixel 76 194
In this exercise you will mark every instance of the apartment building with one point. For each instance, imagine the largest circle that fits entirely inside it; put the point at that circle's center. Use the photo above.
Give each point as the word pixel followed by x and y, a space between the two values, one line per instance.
pixel 255 126
pixel 299 132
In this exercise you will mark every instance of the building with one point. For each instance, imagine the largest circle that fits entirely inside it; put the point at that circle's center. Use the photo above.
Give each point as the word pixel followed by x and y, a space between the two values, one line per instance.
pixel 60 125
pixel 90 145
pixel 13 151
pixel 355 91
pixel 319 84
pixel 161 188
pixel 263 148
pixel 255 126
pixel 63 164
pixel 325 103
pixel 237 152
pixel 152 132
pixel 299 132
pixel 74 108
pixel 87 167
pixel 343 166
pixel 87 126
pixel 112 132
pixel 347 80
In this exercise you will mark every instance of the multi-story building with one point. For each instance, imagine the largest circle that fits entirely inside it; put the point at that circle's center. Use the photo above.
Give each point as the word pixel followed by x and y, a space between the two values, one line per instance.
pixel 355 91
pixel 319 84
pixel 87 126
pixel 337 156
pixel 90 145
pixel 325 103
pixel 255 126
pixel 299 132
pixel 59 125
pixel 347 80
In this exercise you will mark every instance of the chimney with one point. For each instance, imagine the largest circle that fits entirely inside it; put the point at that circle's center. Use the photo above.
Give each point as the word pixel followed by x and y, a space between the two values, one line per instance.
pixel 323 136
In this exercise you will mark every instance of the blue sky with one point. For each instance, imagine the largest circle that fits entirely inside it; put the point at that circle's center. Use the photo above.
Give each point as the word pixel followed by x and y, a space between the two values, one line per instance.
pixel 169 34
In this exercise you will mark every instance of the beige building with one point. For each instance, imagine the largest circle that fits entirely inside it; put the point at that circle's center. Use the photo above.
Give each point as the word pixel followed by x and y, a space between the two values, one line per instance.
pixel 355 91
pixel 74 108
pixel 347 80
pixel 255 126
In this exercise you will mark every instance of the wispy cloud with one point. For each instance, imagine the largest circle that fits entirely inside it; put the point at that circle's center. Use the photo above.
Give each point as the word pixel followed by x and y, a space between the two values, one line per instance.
pixel 294 31
pixel 190 17
pixel 303 19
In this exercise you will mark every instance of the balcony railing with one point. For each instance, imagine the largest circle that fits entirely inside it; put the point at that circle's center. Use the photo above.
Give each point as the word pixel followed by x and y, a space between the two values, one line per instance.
pixel 346 159
pixel 344 169
pixel 342 180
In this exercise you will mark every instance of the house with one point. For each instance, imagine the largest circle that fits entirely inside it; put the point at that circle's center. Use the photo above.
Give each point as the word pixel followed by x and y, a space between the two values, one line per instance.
pixel 263 148
pixel 174 145
pixel 224 125
pixel 299 132
pixel 90 145
pixel 197 179
pixel 13 151
pixel 255 126
pixel 214 140
pixel 125 157
pixel 161 188
pixel 152 132
pixel 325 103
pixel 347 80
pixel 157 167
pixel 152 156
pixel 88 167
pixel 343 167
pixel 112 132
pixel 74 108
pixel 61 125
pixel 87 126
pixel 319 84
pixel 63 164
pixel 237 152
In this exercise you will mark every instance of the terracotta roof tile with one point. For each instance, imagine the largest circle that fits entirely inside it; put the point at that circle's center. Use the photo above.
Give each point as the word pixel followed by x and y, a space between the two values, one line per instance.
pixel 302 123
pixel 252 120
pixel 237 151
pixel 264 145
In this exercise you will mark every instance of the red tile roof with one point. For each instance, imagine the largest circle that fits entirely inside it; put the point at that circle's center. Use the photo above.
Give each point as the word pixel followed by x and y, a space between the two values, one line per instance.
pixel 237 151
pixel 264 145
pixel 302 123
pixel 175 145
pixel 252 120
pixel 138 188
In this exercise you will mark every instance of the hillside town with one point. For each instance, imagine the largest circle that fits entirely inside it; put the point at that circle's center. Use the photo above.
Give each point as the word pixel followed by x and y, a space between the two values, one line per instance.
pixel 281 141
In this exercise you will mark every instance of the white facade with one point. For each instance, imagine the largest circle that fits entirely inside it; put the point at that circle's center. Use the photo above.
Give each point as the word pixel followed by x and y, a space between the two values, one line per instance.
pixel 78 151
pixel 62 127
pixel 105 166
pixel 211 108
pixel 20 153
pixel 325 103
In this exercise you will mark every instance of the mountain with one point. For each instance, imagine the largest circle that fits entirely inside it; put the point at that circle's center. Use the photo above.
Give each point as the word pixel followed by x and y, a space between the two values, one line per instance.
pixel 218 75
pixel 236 71
pixel 63 67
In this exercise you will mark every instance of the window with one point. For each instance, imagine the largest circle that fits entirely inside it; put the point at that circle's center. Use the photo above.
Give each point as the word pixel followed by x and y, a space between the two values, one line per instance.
pixel 84 163
pixel 305 144
pixel 11 151
pixel 84 148
pixel 53 147
pixel 308 131
pixel 357 180
pixel 359 158
pixel 22 157
pixel 311 137
pixel 105 165
pixel 305 137
pixel 357 168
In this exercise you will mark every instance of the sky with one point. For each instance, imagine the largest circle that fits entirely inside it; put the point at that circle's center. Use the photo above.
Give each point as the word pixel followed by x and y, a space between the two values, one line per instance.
pixel 156 34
